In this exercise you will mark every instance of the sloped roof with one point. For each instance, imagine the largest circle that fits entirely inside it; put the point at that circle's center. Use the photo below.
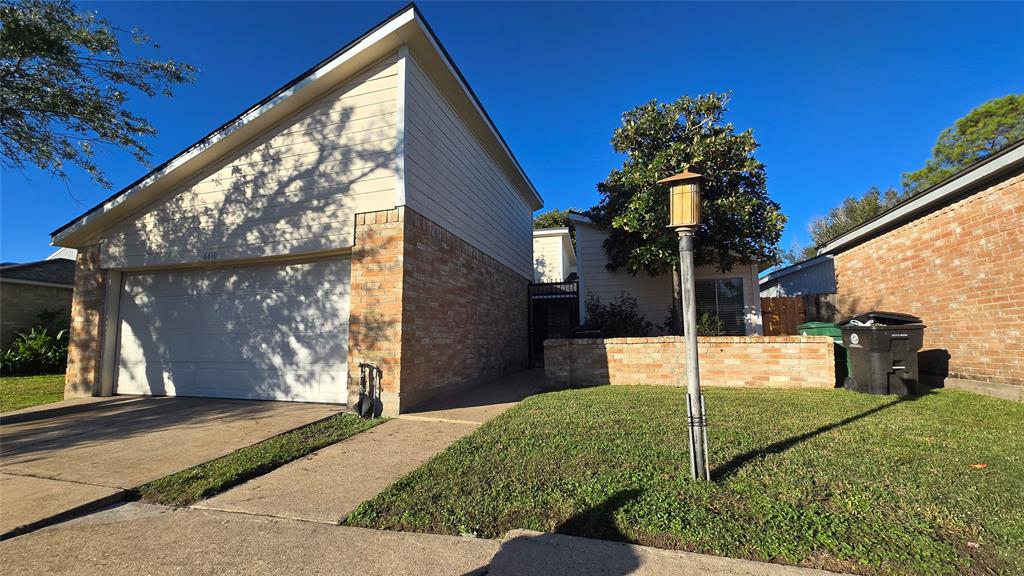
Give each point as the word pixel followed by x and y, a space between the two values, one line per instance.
pixel 406 26
pixel 57 271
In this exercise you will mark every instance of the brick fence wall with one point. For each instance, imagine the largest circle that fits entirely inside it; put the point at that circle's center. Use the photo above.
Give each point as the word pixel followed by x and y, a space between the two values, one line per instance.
pixel 738 361
pixel 961 269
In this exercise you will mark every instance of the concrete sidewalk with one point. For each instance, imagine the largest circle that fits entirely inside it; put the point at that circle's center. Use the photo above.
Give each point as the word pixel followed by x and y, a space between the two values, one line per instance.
pixel 135 538
pixel 540 554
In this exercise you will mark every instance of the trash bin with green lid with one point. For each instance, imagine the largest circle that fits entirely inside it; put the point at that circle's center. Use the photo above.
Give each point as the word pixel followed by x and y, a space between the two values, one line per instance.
pixel 883 352
pixel 831 330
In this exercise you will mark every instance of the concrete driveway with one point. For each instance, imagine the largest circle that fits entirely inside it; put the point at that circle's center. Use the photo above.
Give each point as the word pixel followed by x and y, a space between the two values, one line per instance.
pixel 59 458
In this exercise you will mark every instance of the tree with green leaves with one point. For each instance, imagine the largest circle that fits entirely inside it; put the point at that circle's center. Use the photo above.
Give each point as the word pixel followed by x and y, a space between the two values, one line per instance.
pixel 981 133
pixel 740 223
pixel 554 218
pixel 854 211
pixel 65 85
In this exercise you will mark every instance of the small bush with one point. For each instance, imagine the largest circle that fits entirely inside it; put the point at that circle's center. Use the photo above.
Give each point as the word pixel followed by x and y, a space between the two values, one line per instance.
pixel 618 318
pixel 710 325
pixel 38 352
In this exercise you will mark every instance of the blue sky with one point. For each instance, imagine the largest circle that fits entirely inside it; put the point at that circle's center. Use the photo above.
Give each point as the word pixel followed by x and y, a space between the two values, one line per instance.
pixel 840 96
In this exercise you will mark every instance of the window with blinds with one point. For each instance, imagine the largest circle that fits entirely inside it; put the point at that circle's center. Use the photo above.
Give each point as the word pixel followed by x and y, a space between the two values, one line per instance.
pixel 724 298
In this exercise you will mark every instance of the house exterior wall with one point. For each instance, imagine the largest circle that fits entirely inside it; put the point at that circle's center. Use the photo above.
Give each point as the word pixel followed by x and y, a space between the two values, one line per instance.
pixel 294 190
pixel 452 180
pixel 548 259
pixel 464 313
pixel 817 279
pixel 653 293
pixel 733 361
pixel 433 312
pixel 958 268
pixel 23 303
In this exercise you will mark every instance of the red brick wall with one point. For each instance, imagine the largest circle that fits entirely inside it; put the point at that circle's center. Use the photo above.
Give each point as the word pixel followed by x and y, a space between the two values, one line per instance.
pixel 961 269
pixel 87 305
pixel 464 313
pixel 739 361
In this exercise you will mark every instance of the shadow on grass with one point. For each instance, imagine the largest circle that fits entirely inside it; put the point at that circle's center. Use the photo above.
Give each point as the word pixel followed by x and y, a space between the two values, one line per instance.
pixel 599 521
pixel 726 470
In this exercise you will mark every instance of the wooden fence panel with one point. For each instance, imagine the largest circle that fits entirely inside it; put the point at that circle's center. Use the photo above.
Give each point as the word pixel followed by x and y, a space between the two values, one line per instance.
pixel 781 315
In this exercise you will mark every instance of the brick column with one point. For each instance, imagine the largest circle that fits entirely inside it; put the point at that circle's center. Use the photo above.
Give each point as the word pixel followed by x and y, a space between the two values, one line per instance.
pixel 87 304
pixel 375 314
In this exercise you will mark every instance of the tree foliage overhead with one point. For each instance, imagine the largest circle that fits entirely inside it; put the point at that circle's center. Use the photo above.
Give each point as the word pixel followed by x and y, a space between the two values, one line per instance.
pixel 554 218
pixel 65 86
pixel 981 133
pixel 739 221
pixel 854 211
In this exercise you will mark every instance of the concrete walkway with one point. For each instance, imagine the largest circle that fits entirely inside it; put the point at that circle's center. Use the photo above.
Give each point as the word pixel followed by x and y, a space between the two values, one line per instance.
pixel 59 459
pixel 133 539
pixel 326 485
pixel 540 554
pixel 329 484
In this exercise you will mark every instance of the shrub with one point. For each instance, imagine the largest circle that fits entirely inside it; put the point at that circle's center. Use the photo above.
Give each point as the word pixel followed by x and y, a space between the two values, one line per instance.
pixel 38 352
pixel 618 318
pixel 710 325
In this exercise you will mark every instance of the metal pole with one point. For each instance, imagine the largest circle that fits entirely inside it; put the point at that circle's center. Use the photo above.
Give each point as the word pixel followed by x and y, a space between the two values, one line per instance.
pixel 694 399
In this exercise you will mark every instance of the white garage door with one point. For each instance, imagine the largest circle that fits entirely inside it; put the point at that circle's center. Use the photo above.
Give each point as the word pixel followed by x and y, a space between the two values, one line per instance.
pixel 276 332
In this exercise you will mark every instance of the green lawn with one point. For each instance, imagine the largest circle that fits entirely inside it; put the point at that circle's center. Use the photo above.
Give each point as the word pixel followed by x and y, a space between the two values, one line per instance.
pixel 823 478
pixel 203 481
pixel 18 392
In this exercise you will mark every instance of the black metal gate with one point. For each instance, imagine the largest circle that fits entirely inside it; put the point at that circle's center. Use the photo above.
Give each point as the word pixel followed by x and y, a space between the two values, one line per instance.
pixel 554 313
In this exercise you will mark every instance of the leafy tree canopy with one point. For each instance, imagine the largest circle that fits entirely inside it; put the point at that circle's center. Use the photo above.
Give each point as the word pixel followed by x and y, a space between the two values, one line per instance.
pixel 739 221
pixel 553 218
pixel 65 86
pixel 982 132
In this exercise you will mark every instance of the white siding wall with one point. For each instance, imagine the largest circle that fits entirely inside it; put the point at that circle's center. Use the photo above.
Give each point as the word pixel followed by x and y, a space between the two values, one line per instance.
pixel 294 190
pixel 547 259
pixel 653 294
pixel 452 180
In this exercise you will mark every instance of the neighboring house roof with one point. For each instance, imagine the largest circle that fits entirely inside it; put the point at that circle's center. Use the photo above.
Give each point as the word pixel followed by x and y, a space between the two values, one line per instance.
pixel 59 272
pixel 64 253
pixel 967 180
pixel 405 27
pixel 774 276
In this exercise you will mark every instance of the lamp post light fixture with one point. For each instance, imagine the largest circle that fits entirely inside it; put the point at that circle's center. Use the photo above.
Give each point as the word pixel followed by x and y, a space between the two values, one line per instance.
pixel 684 216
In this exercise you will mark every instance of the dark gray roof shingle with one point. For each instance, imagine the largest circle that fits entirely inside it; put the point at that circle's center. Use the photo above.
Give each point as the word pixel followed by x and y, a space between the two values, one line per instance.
pixel 58 271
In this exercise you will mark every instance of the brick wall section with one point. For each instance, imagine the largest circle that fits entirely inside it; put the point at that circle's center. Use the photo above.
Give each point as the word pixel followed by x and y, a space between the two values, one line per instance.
pixel 961 269
pixel 375 302
pixel 734 361
pixel 433 312
pixel 464 313
pixel 83 373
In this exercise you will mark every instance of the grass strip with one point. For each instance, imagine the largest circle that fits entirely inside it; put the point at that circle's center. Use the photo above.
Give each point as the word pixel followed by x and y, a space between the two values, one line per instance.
pixel 206 480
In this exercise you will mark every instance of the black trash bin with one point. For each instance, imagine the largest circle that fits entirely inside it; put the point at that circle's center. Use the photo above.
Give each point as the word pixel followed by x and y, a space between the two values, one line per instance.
pixel 882 347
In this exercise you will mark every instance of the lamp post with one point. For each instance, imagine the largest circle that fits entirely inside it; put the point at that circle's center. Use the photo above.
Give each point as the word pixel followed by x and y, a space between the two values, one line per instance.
pixel 684 216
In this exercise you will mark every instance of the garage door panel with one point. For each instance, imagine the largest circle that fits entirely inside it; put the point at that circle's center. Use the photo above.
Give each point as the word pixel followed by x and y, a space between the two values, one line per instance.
pixel 274 332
